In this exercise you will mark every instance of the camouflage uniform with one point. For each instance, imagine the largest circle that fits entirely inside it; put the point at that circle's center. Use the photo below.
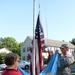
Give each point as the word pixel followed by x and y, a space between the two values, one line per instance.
pixel 64 64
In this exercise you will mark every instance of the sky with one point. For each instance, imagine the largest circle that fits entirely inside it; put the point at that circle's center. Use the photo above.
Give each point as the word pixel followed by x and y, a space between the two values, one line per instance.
pixel 57 18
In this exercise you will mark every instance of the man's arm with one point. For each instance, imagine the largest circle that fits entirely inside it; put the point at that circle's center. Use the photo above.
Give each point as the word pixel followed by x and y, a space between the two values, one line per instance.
pixel 68 60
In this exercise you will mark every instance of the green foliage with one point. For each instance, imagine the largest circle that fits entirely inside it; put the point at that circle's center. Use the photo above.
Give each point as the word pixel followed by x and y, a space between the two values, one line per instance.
pixel 11 44
pixel 2 55
pixel 73 41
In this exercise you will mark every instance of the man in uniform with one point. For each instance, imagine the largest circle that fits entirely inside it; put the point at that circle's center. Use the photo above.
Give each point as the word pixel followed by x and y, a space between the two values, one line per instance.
pixel 65 59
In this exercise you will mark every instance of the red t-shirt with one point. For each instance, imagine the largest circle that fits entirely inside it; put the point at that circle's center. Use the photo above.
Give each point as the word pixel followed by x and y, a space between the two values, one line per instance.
pixel 11 72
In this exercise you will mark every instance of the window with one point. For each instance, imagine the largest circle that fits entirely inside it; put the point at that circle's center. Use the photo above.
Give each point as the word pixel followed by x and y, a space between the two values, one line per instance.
pixel 24 49
pixel 23 57
pixel 28 49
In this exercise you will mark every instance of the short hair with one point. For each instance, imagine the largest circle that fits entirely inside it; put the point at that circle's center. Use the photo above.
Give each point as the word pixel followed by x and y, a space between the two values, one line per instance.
pixel 10 58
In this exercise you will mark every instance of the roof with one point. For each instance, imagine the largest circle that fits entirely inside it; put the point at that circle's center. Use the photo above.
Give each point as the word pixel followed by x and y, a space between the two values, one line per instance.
pixel 56 43
pixel 4 50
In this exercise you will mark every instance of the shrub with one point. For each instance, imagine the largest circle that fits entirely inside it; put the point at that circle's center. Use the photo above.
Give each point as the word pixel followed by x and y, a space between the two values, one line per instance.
pixel 2 55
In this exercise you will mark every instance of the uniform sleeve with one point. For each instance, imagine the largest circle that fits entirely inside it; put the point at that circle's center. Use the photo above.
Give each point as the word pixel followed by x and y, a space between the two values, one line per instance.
pixel 68 60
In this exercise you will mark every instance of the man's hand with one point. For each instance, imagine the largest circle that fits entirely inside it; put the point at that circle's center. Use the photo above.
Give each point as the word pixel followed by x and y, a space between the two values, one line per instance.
pixel 59 51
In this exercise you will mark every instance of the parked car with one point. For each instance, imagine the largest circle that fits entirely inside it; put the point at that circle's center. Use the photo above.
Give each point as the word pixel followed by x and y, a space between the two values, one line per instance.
pixel 24 64
pixel 2 66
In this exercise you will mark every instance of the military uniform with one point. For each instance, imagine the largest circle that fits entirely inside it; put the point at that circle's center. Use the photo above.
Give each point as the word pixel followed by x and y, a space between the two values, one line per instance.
pixel 64 63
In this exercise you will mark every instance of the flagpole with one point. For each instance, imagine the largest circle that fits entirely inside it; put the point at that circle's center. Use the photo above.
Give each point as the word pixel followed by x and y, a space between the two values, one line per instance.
pixel 34 23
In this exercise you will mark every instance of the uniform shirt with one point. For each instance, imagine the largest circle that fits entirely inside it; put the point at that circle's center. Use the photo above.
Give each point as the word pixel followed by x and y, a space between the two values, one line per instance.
pixel 64 61
pixel 11 72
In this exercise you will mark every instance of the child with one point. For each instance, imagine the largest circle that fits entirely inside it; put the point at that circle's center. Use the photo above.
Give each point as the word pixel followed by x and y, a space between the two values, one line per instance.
pixel 11 60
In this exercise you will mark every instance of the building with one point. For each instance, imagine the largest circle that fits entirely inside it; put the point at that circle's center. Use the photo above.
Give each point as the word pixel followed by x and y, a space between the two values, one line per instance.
pixel 4 50
pixel 25 48
pixel 50 44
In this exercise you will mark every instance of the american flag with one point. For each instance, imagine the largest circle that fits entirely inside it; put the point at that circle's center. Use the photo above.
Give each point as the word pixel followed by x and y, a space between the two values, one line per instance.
pixel 39 46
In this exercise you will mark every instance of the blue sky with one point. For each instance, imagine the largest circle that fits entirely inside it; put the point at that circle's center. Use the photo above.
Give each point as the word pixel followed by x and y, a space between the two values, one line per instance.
pixel 58 19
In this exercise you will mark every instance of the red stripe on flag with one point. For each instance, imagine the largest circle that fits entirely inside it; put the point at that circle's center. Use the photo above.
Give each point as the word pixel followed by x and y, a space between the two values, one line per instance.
pixel 31 68
pixel 40 55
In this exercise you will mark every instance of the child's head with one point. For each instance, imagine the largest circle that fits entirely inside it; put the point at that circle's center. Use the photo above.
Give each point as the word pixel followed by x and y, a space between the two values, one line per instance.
pixel 10 59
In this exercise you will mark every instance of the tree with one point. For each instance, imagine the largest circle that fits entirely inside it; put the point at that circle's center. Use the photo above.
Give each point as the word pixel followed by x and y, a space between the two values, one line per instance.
pixel 73 41
pixel 2 55
pixel 11 44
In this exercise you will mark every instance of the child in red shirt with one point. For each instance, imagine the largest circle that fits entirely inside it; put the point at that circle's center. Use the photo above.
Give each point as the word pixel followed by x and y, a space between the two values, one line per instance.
pixel 11 60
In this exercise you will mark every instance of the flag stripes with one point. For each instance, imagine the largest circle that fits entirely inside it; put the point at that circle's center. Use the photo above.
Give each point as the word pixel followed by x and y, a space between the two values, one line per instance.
pixel 39 45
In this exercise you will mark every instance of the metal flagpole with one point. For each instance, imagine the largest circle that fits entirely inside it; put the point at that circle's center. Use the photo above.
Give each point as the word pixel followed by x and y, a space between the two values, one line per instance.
pixel 34 23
